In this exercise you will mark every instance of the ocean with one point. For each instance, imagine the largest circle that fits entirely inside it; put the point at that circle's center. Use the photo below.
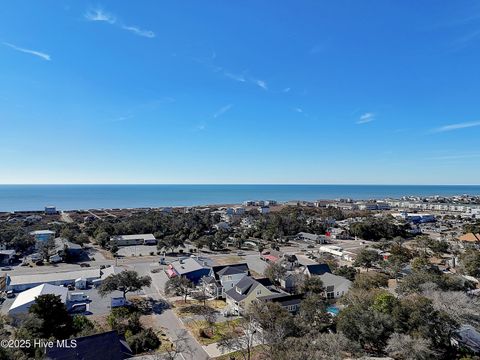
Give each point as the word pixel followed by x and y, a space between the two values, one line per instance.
pixel 72 197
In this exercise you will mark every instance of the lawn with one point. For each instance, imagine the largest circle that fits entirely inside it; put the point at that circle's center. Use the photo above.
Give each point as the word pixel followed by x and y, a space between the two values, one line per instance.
pixel 218 329
pixel 178 305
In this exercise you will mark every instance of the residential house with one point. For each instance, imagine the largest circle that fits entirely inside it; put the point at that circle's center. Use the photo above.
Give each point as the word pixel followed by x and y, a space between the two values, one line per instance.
pixel 50 210
pixel 288 282
pixel 316 269
pixel 318 239
pixel 224 277
pixel 64 247
pixel 108 346
pixel 191 268
pixel 289 261
pixel 264 209
pixel 246 291
pixel 42 236
pixel 289 302
pixel 335 286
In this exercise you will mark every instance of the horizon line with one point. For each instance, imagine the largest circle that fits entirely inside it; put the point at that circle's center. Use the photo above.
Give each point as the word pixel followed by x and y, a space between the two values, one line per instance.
pixel 234 184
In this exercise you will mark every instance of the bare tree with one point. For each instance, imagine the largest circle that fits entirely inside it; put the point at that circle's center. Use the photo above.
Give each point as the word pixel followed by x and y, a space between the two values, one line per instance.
pixel 405 347
pixel 241 337
pixel 462 308
pixel 178 347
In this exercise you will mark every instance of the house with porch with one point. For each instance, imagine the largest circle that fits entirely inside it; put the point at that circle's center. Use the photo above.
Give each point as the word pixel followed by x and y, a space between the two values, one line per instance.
pixel 241 296
pixel 224 277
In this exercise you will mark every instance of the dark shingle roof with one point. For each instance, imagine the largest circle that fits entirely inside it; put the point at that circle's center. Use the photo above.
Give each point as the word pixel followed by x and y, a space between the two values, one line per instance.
pixel 107 346
pixel 284 299
pixel 318 269
pixel 221 270
pixel 246 285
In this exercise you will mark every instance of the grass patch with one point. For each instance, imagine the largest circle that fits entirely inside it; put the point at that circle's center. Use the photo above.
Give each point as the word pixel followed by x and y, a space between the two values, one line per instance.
pixel 216 330
pixel 179 306
pixel 232 259
pixel 258 353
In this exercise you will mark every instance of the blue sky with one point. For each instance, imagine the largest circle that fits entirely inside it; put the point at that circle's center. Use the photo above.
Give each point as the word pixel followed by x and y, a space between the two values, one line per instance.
pixel 379 92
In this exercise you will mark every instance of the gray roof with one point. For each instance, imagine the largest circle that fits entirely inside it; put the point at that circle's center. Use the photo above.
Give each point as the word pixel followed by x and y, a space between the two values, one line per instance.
pixel 134 237
pixel 187 265
pixel 244 287
pixel 52 277
pixel 231 270
pixel 335 280
pixel 284 299
pixel 220 270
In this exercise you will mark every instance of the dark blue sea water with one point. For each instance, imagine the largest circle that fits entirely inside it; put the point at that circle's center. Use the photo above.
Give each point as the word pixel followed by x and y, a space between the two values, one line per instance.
pixel 69 197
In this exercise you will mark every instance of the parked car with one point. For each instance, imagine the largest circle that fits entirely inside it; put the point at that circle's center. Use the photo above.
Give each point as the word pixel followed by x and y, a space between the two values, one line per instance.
pixel 10 294
pixel 6 268
pixel 84 265
pixel 71 287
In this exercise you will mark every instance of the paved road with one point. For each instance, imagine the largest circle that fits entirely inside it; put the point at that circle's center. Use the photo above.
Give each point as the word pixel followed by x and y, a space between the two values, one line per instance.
pixel 168 320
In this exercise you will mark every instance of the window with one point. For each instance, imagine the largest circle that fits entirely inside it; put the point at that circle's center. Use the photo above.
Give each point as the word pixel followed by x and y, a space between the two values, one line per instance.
pixel 259 292
pixel 330 295
pixel 229 277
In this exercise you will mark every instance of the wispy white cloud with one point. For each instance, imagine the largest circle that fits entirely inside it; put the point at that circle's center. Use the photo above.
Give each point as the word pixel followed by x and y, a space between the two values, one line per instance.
pixel 139 32
pixel 222 110
pixel 366 118
pixel 261 84
pixel 100 15
pixel 42 55
pixel 286 90
pixel 299 110
pixel 458 126
pixel 236 77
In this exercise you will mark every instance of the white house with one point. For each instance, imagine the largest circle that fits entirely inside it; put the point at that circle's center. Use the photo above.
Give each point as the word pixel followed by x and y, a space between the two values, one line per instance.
pixel 335 286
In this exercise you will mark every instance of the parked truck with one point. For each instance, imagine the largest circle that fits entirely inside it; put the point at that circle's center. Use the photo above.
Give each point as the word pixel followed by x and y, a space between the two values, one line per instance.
pixel 77 296
pixel 118 302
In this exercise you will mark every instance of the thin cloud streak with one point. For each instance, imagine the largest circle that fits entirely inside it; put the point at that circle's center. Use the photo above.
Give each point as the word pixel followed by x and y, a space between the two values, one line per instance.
pixel 42 55
pixel 366 118
pixel 102 16
pixel 457 126
pixel 139 32
pixel 222 110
